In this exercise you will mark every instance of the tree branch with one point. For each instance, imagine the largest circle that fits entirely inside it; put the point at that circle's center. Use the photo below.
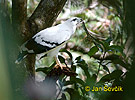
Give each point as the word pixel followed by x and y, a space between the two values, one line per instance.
pixel 45 14
pixel 86 50
pixel 43 17
pixel 106 57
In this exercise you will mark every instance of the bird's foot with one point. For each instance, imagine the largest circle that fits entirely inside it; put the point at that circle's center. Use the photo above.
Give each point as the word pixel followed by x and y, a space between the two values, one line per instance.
pixel 58 63
pixel 61 66
pixel 63 70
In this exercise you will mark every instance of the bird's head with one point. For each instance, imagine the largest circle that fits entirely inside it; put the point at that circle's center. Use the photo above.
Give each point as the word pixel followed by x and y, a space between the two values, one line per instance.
pixel 75 21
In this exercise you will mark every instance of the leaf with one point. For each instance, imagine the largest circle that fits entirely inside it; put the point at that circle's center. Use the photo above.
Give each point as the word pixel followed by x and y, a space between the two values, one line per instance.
pixel 108 40
pixel 114 75
pixel 116 48
pixel 74 94
pixel 78 80
pixel 106 45
pixel 70 55
pixel 114 3
pixel 62 59
pixel 68 83
pixel 121 62
pixel 85 69
pixel 81 63
pixel 106 68
pixel 93 50
pixel 78 59
pixel 63 97
pixel 44 70
pixel 100 47
pixel 92 80
pixel 73 67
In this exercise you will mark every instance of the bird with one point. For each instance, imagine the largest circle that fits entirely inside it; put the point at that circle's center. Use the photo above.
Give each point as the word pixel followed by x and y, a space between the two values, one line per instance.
pixel 50 40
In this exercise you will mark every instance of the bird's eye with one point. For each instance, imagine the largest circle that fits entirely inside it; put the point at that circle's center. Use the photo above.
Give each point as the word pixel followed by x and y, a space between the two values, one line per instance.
pixel 74 19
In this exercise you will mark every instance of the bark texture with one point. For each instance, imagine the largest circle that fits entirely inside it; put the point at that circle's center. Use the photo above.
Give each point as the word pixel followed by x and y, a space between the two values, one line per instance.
pixel 19 19
pixel 23 28
pixel 45 14
pixel 43 17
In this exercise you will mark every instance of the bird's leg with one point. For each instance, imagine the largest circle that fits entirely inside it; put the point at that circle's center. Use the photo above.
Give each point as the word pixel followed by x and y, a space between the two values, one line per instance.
pixel 58 62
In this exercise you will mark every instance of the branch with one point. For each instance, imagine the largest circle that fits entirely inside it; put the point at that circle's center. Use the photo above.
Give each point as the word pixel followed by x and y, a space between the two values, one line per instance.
pixel 45 14
pixel 74 47
pixel 106 57
pixel 43 17
pixel 95 35
pixel 86 50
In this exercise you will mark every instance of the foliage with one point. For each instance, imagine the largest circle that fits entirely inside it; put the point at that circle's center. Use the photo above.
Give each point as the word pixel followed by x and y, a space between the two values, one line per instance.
pixel 107 50
pixel 96 52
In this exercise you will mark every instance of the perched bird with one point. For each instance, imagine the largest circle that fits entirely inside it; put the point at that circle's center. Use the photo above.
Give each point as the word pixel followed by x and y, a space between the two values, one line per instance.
pixel 50 40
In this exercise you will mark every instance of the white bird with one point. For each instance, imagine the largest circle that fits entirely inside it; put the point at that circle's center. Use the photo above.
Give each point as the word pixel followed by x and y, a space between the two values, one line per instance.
pixel 50 40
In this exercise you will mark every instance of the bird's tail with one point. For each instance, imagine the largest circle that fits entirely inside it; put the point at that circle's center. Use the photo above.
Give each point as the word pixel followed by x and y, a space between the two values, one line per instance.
pixel 21 56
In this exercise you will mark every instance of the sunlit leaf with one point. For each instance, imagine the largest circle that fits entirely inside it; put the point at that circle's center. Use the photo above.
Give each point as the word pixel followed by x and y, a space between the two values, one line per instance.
pixel 117 48
pixel 63 97
pixel 44 70
pixel 106 68
pixel 93 50
pixel 70 55
pixel 81 63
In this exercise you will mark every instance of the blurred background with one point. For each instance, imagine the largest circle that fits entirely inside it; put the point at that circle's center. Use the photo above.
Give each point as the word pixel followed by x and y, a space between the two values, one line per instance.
pixel 103 56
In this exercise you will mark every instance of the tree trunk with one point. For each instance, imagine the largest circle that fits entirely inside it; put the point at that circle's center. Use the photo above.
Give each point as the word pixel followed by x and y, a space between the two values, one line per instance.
pixel 21 30
pixel 43 17
pixel 130 45
pixel 17 74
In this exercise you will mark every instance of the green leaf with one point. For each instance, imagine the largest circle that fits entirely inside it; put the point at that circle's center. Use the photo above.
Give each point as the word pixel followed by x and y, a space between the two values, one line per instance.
pixel 92 80
pixel 68 83
pixel 116 48
pixel 106 45
pixel 106 68
pixel 84 67
pixel 85 70
pixel 93 50
pixel 78 59
pixel 74 94
pixel 121 62
pixel 81 63
pixel 114 3
pixel 101 48
pixel 73 67
pixel 44 70
pixel 78 80
pixel 108 40
pixel 114 75
pixel 70 55
pixel 62 59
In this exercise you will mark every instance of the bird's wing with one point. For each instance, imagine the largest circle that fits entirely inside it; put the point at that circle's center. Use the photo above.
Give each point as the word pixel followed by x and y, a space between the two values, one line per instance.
pixel 48 39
